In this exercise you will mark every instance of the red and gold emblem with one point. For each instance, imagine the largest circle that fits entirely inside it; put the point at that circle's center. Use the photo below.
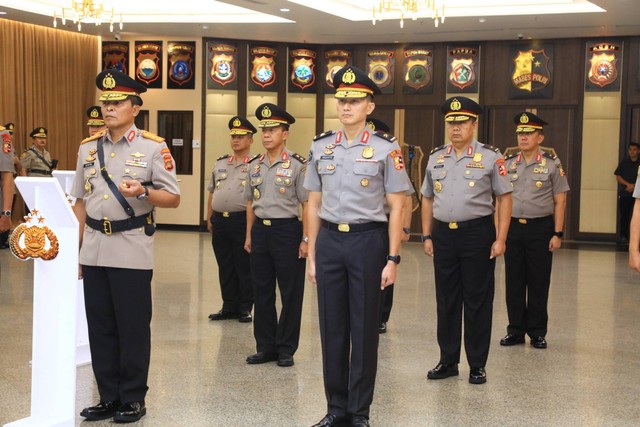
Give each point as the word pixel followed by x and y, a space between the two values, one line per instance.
pixel 336 59
pixel 380 67
pixel 223 64
pixel 531 70
pixel 33 239
pixel 302 68
pixel 604 69
pixel 263 73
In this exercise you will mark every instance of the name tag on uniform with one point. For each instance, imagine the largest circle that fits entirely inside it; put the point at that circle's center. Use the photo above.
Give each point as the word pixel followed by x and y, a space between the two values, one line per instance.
pixel 438 166
pixel 284 172
pixel 88 165
pixel 367 161
pixel 327 157
pixel 136 163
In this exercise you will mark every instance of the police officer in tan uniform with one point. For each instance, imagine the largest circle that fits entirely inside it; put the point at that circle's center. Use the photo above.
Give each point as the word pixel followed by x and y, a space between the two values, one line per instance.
pixel 459 232
pixel 6 181
pixel 122 175
pixel 227 220
pixel 95 121
pixel 36 160
pixel 276 239
pixel 537 220
pixel 354 244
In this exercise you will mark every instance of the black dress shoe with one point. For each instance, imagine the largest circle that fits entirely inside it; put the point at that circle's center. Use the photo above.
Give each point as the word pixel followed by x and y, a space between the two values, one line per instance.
pixel 130 412
pixel 539 342
pixel 285 360
pixel 245 317
pixel 223 315
pixel 477 376
pixel 331 420
pixel 511 339
pixel 443 371
pixel 262 357
pixel 359 421
pixel 382 327
pixel 101 411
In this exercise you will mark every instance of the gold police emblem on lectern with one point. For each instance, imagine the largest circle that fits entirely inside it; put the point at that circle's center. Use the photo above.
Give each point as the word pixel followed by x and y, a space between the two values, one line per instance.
pixel 33 239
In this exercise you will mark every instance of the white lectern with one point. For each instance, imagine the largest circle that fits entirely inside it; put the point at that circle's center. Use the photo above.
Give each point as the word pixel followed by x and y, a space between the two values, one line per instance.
pixel 55 286
pixel 83 352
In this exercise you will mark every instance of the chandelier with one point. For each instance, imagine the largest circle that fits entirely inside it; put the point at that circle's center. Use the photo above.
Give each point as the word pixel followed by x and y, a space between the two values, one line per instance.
pixel 87 11
pixel 409 9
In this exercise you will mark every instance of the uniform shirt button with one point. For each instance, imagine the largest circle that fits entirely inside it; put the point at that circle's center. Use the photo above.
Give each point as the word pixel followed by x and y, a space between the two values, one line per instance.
pixel 113 154
pixel 106 196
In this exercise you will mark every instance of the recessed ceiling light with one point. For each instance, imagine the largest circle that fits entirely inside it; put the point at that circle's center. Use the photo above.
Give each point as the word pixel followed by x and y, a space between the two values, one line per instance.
pixel 2 12
pixel 205 27
pixel 284 9
pixel 482 20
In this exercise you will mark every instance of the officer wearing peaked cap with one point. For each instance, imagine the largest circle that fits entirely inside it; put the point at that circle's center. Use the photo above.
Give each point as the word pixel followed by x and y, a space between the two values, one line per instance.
pixel 95 121
pixel 276 239
pixel 122 175
pixel 6 180
pixel 539 199
pixel 36 161
pixel 227 220
pixel 459 233
pixel 354 244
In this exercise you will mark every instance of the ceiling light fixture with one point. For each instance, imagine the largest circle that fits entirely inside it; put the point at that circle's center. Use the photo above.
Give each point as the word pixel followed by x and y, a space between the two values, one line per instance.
pixel 87 11
pixel 409 9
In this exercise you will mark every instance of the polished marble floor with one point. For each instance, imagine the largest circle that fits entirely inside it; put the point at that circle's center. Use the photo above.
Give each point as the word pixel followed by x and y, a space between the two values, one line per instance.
pixel 589 375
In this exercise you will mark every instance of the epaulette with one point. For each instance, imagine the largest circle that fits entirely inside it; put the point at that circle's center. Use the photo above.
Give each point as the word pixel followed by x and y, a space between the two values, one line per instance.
pixel 490 147
pixel 437 149
pixel 151 136
pixel 324 134
pixel 254 158
pixel 386 136
pixel 95 136
pixel 2 128
pixel 299 158
pixel 226 156
pixel 510 156
pixel 549 155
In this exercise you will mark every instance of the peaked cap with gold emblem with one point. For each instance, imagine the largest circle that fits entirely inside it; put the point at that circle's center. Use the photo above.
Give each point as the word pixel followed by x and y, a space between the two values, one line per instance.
pixel 39 132
pixel 352 82
pixel 270 115
pixel 117 86
pixel 241 126
pixel 528 122
pixel 378 125
pixel 94 113
pixel 10 127
pixel 459 109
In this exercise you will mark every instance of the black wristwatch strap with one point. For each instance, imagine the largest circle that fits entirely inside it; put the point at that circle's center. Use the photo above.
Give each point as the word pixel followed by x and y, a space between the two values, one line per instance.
pixel 559 234
pixel 425 238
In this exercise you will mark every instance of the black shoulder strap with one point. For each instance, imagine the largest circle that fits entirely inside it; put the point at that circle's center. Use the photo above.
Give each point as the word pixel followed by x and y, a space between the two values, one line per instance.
pixel 47 164
pixel 112 186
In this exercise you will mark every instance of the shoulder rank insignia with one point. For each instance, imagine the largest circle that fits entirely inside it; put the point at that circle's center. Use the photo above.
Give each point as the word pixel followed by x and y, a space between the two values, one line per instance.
pixel 324 134
pixel 490 147
pixel 151 136
pixel 386 136
pixel 226 156
pixel 549 155
pixel 437 149
pixel 257 156
pixel 511 156
pixel 95 136
pixel 299 158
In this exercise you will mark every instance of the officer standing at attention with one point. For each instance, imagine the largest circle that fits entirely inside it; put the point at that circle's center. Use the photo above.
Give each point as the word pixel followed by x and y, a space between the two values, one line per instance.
pixel 276 239
pixel 227 220
pixel 6 180
pixel 95 120
pixel 353 245
pixel 115 212
pixel 460 235
pixel 537 219
pixel 36 161
pixel 386 302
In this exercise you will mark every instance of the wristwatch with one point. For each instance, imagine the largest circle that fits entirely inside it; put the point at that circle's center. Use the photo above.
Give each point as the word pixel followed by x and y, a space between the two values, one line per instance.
pixel 394 258
pixel 406 230
pixel 305 239
pixel 425 238
pixel 143 196
pixel 6 213
pixel 559 234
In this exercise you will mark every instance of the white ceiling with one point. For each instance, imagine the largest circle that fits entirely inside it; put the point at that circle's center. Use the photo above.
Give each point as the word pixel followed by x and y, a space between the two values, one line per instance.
pixel 308 25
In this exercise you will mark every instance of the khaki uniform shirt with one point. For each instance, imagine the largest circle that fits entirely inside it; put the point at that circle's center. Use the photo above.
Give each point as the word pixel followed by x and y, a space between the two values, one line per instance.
pixel 30 160
pixel 463 187
pixel 135 156
pixel 6 157
pixel 276 189
pixel 535 184
pixel 354 178
pixel 227 184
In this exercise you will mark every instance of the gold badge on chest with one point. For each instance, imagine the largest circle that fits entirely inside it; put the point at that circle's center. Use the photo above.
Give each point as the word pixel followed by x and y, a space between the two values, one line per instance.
pixel 256 194
pixel 367 152
pixel 437 187
pixel 364 182
pixel 477 157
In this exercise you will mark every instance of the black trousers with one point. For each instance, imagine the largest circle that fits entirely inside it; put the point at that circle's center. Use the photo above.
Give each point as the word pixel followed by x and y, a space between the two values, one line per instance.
pixel 348 272
pixel 386 303
pixel 118 307
pixel 234 269
pixel 464 280
pixel 625 208
pixel 274 257
pixel 528 274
